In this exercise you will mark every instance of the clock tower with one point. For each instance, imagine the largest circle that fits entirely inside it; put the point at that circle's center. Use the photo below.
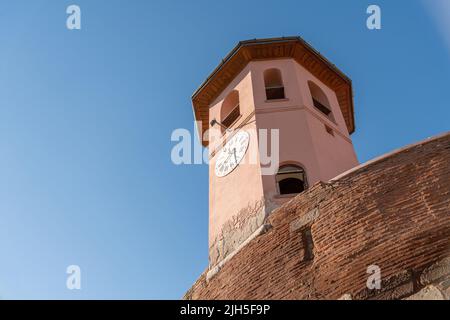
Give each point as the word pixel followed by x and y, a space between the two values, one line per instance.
pixel 277 117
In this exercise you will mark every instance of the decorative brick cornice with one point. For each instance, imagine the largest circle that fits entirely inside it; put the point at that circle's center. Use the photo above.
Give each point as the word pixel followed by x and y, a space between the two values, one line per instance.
pixel 275 48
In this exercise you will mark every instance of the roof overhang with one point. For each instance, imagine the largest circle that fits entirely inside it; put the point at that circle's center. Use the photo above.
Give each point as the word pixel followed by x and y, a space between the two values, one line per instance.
pixel 266 49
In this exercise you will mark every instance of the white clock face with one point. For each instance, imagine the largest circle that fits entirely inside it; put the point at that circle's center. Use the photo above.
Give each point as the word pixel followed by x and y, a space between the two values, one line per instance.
pixel 232 153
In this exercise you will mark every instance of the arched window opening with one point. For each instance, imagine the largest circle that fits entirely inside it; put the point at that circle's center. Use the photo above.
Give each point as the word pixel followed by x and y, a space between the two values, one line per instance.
pixel 320 100
pixel 291 179
pixel 273 84
pixel 230 110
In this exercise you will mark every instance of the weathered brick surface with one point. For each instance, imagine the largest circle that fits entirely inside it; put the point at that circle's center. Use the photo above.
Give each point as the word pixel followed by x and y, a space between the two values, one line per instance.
pixel 393 212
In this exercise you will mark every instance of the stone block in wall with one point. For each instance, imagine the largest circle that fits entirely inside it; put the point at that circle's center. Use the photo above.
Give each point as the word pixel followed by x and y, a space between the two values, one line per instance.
pixel 436 271
pixel 236 231
pixel 430 292
pixel 445 287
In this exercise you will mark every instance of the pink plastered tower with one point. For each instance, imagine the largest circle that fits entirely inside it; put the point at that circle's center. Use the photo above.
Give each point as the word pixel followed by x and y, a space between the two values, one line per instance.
pixel 281 85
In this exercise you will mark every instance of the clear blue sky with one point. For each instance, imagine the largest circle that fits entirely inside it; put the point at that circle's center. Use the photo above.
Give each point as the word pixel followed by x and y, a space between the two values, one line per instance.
pixel 86 118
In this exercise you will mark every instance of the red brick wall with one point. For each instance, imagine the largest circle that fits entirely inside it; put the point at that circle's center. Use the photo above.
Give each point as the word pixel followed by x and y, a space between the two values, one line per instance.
pixel 393 212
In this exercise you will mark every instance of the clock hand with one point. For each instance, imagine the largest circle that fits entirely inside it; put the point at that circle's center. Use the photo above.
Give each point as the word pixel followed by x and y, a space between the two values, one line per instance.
pixel 230 153
pixel 226 160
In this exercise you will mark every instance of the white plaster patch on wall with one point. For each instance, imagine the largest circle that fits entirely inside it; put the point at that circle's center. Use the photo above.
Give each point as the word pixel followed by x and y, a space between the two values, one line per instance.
pixel 305 220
